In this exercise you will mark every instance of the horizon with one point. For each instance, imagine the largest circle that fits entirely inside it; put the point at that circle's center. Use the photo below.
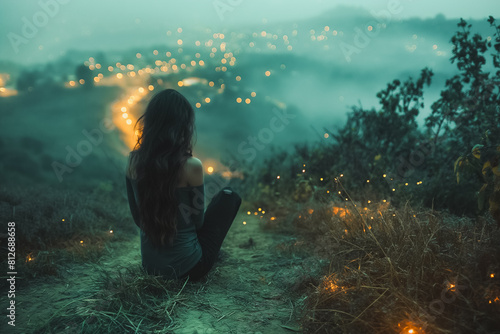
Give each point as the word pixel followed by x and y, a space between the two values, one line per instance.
pixel 52 37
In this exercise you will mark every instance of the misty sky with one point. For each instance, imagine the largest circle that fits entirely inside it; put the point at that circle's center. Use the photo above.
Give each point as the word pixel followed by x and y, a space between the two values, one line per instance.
pixel 323 74
pixel 91 24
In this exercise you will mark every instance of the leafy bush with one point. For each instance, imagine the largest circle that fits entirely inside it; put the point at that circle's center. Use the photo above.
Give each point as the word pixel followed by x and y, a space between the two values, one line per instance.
pixel 384 154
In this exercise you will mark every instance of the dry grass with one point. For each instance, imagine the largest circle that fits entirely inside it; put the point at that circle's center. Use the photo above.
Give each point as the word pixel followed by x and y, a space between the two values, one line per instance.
pixel 55 227
pixel 398 270
pixel 130 301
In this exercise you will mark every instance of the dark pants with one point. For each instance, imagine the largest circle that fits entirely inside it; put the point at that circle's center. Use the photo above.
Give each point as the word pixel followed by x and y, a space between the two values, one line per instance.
pixel 218 218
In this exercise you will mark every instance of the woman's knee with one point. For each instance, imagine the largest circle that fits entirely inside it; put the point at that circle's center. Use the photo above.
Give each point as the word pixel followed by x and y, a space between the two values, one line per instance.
pixel 228 191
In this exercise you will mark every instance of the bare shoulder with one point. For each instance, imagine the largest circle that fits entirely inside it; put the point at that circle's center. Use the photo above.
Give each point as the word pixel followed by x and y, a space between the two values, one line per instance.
pixel 194 163
pixel 194 171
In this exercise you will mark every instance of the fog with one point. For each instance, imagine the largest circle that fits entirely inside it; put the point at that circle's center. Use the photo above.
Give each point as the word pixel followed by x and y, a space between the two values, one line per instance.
pixel 314 58
pixel 97 24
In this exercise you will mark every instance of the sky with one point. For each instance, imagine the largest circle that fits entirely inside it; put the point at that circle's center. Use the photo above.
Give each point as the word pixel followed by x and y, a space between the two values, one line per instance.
pixel 95 23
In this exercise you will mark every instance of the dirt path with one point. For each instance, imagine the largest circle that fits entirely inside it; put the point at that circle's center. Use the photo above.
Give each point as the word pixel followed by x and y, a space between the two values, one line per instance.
pixel 241 294
pixel 245 293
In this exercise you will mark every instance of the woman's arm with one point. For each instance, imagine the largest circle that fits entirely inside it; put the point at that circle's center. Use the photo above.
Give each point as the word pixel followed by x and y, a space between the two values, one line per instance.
pixel 132 202
pixel 195 178
pixel 194 172
pixel 199 205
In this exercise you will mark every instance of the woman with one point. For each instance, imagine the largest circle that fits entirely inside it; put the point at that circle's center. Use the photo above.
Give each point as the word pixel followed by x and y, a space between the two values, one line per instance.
pixel 165 188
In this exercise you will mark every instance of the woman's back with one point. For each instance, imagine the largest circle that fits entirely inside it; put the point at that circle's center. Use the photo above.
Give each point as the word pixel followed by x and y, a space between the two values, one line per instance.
pixel 174 260
pixel 192 173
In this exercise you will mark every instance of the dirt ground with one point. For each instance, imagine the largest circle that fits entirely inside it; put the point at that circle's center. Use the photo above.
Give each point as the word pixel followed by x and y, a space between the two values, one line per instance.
pixel 248 291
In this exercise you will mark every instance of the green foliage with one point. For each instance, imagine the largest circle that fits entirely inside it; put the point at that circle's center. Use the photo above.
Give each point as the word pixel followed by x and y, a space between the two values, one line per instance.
pixel 483 162
pixel 406 162
pixel 496 56
pixel 386 133
pixel 469 103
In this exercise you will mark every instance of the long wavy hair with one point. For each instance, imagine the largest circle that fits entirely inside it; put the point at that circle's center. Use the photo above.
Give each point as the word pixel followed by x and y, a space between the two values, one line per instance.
pixel 165 141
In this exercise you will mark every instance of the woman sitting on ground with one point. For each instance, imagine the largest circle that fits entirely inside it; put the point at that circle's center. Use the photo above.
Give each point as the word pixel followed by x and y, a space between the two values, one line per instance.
pixel 165 187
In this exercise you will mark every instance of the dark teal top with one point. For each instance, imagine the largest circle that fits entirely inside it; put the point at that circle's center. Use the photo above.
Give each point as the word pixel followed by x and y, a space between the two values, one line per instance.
pixel 173 261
